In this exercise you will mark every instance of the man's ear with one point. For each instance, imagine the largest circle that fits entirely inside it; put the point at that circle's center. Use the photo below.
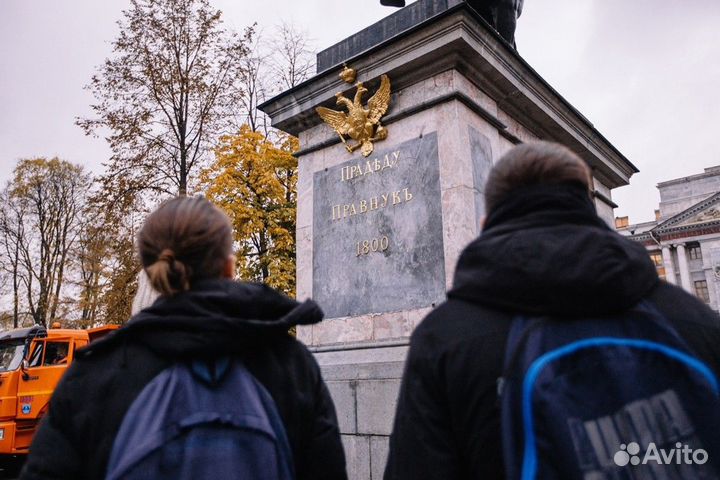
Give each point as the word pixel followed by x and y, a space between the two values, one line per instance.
pixel 229 267
pixel 483 219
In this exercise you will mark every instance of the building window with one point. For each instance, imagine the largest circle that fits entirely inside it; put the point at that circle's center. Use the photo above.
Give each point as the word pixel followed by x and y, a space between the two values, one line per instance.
pixel 622 222
pixel 694 252
pixel 701 290
pixel 657 259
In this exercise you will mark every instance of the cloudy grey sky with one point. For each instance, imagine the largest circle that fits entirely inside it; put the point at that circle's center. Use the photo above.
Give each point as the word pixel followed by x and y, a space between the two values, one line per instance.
pixel 645 72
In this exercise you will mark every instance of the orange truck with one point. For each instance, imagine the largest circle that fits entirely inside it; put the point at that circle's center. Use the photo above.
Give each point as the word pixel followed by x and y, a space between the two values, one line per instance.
pixel 32 360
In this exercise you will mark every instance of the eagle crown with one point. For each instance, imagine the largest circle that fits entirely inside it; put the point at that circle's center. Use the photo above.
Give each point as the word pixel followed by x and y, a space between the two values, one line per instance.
pixel 360 123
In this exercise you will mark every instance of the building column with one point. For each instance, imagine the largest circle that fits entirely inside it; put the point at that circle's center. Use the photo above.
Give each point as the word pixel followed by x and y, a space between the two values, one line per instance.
pixel 669 265
pixel 684 268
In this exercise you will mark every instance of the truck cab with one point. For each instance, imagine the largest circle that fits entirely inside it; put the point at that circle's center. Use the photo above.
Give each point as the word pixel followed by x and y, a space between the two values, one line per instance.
pixel 32 361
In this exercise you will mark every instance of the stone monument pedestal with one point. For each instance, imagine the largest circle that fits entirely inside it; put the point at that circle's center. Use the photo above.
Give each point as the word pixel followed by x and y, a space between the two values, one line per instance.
pixel 378 237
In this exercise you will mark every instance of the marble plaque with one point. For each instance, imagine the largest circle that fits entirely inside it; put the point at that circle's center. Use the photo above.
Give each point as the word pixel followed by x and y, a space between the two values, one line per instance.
pixel 482 162
pixel 377 231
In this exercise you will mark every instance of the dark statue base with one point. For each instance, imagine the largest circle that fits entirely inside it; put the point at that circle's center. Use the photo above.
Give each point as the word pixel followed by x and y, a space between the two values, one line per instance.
pixel 502 15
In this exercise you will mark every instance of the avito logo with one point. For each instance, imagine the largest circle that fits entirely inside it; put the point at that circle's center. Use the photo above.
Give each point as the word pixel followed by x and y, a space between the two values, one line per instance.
pixel 680 455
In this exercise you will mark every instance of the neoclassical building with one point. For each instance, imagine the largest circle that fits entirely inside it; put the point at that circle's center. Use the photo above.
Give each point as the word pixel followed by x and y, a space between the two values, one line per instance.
pixel 684 240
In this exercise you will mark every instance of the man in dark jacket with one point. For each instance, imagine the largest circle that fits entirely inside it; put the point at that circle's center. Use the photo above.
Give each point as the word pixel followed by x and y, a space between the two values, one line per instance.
pixel 216 317
pixel 543 251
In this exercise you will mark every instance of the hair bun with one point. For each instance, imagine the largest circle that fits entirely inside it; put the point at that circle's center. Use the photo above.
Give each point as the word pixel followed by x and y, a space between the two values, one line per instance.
pixel 167 255
pixel 177 249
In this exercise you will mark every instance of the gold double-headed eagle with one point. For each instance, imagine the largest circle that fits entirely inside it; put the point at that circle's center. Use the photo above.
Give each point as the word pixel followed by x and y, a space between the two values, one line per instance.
pixel 360 123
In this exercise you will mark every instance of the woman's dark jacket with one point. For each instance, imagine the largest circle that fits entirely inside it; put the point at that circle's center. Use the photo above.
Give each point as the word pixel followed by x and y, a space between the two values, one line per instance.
pixel 542 252
pixel 216 318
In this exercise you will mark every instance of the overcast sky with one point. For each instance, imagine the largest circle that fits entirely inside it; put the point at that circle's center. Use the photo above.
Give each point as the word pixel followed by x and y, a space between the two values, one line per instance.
pixel 646 73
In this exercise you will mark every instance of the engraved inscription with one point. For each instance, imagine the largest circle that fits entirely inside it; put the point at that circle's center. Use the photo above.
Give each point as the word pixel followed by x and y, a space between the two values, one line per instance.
pixel 371 166
pixel 373 203
pixel 377 226
pixel 375 245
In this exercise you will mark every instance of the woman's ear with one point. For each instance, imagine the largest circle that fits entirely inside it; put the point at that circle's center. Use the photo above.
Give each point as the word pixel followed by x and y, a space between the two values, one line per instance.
pixel 229 268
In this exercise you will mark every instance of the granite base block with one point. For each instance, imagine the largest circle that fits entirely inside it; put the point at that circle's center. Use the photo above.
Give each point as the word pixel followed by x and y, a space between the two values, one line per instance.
pixel 376 401
pixel 378 456
pixel 343 395
pixel 357 456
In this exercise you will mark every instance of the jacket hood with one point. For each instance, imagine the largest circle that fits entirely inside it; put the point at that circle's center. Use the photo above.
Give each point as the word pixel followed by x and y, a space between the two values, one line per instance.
pixel 215 317
pixel 545 251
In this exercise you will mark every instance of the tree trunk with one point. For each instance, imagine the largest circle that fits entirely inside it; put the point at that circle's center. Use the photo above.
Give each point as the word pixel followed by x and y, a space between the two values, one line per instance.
pixel 263 258
pixel 16 286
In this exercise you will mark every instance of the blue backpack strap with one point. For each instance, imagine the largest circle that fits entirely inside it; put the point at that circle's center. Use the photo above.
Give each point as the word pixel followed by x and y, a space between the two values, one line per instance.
pixel 565 377
pixel 509 389
pixel 212 371
pixel 530 457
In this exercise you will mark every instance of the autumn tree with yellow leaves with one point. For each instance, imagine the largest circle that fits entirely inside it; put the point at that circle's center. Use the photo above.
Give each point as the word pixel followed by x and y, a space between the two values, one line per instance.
pixel 177 79
pixel 254 175
pixel 254 180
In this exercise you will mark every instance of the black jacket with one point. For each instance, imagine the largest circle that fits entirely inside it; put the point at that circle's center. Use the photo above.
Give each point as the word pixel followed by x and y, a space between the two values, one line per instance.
pixel 544 251
pixel 216 318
